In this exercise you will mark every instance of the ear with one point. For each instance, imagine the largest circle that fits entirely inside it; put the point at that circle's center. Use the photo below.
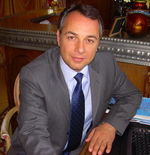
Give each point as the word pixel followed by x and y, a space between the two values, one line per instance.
pixel 58 37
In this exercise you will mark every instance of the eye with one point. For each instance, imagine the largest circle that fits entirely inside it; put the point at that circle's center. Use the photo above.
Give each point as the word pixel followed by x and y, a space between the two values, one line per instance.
pixel 90 41
pixel 70 37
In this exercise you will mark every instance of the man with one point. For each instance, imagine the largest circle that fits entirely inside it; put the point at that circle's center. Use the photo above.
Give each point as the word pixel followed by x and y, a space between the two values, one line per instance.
pixel 47 92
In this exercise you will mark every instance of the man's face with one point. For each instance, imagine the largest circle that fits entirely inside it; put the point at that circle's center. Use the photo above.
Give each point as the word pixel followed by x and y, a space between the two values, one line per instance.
pixel 78 40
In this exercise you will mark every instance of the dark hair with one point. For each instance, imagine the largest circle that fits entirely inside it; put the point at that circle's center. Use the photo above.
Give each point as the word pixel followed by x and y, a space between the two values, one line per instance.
pixel 86 10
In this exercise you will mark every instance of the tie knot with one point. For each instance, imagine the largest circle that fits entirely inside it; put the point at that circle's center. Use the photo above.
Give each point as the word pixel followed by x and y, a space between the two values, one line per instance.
pixel 78 77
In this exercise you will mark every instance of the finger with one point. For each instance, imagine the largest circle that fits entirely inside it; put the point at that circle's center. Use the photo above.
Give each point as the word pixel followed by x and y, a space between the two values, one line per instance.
pixel 94 144
pixel 96 148
pixel 102 148
pixel 109 146
pixel 90 135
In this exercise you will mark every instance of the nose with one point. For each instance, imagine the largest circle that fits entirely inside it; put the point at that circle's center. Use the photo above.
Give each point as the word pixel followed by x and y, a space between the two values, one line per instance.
pixel 80 46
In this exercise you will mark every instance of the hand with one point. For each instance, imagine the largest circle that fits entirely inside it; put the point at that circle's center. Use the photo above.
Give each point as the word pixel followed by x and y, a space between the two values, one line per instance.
pixel 101 138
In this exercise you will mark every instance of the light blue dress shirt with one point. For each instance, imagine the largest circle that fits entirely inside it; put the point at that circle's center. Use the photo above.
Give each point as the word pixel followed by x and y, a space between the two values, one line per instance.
pixel 71 83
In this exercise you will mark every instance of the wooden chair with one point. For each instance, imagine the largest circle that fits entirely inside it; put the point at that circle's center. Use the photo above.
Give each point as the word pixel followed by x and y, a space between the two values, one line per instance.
pixel 6 125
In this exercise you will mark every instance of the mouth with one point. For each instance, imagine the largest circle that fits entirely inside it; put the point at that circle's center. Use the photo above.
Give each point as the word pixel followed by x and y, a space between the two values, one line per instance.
pixel 77 59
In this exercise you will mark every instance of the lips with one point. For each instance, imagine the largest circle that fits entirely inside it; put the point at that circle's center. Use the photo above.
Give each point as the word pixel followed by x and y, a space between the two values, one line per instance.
pixel 77 59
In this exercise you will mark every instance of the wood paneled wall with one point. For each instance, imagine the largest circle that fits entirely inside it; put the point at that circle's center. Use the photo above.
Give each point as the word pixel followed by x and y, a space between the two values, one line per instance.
pixel 3 89
pixel 11 7
pixel 139 75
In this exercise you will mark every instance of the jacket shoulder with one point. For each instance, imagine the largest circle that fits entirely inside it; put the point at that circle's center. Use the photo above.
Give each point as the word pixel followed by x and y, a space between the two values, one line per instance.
pixel 103 58
pixel 44 60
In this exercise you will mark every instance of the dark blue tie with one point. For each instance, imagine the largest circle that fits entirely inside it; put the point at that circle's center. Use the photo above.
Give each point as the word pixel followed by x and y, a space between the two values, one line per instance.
pixel 77 115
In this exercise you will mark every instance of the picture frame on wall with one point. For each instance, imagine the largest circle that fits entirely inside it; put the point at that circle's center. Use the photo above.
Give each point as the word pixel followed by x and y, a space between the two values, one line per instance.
pixel 117 26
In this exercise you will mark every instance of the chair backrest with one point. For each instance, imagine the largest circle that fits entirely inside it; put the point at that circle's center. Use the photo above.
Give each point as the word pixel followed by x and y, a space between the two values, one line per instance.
pixel 6 125
pixel 17 91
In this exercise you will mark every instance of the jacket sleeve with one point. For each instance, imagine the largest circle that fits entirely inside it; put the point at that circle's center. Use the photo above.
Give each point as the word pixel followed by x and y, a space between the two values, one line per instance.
pixel 128 99
pixel 32 117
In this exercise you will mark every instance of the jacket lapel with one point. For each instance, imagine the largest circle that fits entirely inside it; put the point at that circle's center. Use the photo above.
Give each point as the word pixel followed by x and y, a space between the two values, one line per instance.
pixel 64 93
pixel 63 90
pixel 97 87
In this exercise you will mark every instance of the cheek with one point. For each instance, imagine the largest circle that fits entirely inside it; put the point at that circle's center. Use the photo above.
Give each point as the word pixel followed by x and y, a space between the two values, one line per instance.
pixel 67 46
pixel 64 52
pixel 92 54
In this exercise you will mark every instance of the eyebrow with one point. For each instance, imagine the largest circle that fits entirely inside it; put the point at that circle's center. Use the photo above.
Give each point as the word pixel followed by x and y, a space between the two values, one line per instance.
pixel 93 37
pixel 90 36
pixel 69 32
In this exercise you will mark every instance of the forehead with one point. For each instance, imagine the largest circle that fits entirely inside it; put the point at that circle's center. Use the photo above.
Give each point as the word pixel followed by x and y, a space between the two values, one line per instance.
pixel 75 21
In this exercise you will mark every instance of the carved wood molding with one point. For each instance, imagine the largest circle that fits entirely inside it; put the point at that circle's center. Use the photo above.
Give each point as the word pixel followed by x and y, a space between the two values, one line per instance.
pixel 27 39
pixel 130 51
